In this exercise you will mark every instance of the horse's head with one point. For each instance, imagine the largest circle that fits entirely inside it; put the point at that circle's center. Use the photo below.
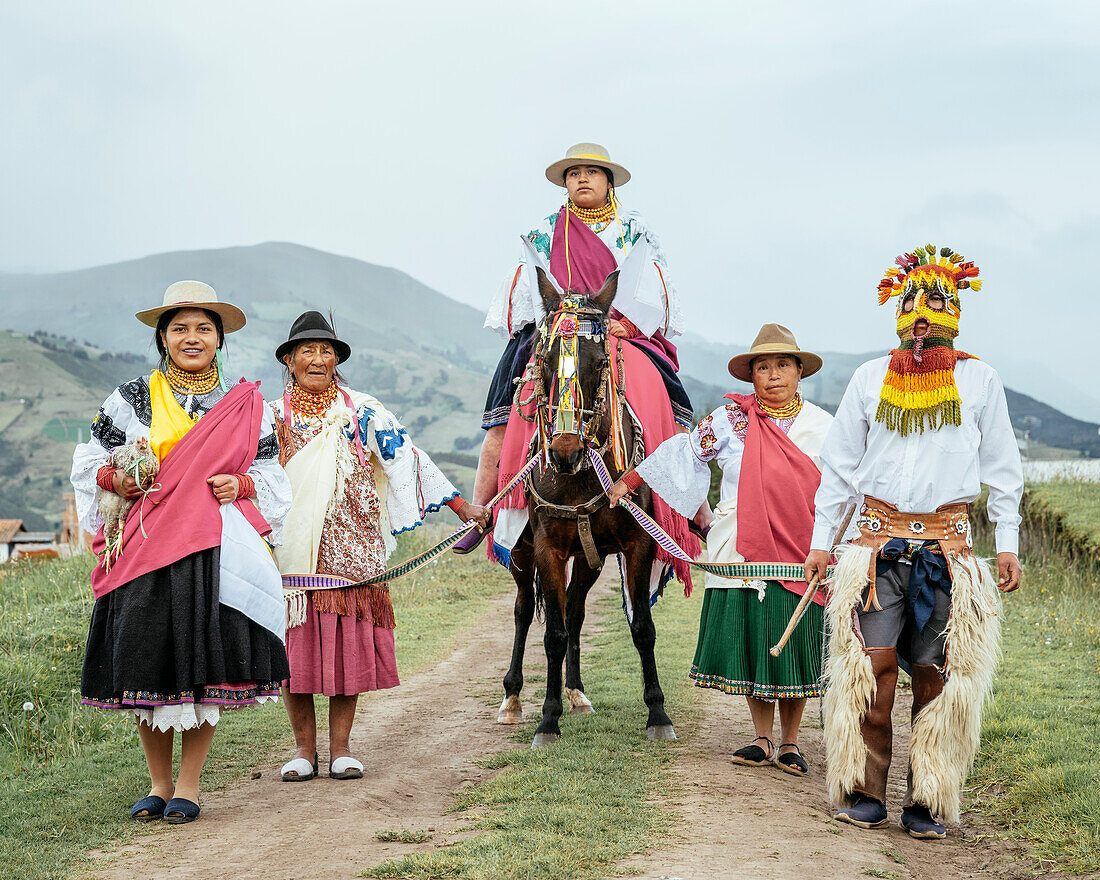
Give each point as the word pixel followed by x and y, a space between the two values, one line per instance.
pixel 573 364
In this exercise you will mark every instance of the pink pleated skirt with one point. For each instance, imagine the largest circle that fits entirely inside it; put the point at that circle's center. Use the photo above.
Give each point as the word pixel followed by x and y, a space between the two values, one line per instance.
pixel 337 655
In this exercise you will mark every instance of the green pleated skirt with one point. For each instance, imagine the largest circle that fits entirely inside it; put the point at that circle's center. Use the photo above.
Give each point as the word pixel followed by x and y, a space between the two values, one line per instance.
pixel 736 631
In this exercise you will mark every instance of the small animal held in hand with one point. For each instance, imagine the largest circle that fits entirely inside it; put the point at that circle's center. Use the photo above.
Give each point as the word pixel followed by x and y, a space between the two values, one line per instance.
pixel 136 460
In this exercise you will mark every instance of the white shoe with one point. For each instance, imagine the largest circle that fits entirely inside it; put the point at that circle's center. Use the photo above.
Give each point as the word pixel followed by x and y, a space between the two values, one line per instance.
pixel 345 768
pixel 299 770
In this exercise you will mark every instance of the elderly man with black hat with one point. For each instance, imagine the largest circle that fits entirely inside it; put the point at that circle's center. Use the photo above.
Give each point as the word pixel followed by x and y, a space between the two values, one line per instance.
pixel 916 434
pixel 358 481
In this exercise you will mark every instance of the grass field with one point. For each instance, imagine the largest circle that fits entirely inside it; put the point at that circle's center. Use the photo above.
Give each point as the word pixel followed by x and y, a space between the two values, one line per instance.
pixel 68 774
pixel 1039 763
pixel 571 810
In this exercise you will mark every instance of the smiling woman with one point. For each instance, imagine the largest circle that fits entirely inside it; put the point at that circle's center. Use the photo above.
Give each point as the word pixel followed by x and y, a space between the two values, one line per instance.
pixel 188 615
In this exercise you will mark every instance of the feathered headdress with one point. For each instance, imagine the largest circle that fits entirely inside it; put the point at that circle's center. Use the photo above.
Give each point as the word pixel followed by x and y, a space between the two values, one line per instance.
pixel 950 270
pixel 919 388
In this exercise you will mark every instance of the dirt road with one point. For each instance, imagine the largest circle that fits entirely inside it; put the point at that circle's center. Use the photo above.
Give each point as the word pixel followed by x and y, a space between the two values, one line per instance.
pixel 421 742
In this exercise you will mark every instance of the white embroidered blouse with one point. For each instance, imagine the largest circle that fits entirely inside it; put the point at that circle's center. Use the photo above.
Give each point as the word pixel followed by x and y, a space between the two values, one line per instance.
pixel 653 306
pixel 678 470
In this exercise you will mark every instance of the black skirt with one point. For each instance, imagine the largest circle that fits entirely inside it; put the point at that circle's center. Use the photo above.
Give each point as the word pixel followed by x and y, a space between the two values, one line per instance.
pixel 165 639
pixel 502 390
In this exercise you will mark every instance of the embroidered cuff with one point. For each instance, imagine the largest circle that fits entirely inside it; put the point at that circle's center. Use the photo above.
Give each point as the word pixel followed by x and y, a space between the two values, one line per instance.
pixel 246 486
pixel 632 331
pixel 105 477
pixel 633 480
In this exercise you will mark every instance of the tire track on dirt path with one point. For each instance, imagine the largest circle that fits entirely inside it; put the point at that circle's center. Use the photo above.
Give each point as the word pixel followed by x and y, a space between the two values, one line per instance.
pixel 419 743
pixel 753 822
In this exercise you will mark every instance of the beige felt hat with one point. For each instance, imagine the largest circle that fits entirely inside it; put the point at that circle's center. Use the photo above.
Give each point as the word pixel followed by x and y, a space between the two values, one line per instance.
pixel 196 295
pixel 773 339
pixel 585 154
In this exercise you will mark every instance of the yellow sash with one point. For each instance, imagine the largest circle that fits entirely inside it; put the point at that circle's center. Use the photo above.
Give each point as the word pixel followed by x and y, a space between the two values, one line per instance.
pixel 170 421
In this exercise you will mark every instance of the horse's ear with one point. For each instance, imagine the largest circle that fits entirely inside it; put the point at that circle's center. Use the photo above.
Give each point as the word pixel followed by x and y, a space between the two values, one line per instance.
pixel 604 298
pixel 551 300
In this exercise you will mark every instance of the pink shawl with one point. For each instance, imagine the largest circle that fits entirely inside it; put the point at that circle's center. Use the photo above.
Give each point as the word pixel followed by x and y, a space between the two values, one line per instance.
pixel 182 516
pixel 775 495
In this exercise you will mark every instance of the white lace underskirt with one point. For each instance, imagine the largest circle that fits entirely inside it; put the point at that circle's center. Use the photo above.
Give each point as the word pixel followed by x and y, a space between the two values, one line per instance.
pixel 185 716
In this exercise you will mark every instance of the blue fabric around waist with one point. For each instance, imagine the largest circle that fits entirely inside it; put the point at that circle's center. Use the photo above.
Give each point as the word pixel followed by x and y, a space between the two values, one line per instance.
pixel 929 572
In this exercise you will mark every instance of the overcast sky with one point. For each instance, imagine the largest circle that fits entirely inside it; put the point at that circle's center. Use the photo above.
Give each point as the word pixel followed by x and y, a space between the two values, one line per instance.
pixel 784 152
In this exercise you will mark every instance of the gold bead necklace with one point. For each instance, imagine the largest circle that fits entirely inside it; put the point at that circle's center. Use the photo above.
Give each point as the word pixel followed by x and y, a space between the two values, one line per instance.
pixel 312 404
pixel 202 382
pixel 591 216
pixel 787 411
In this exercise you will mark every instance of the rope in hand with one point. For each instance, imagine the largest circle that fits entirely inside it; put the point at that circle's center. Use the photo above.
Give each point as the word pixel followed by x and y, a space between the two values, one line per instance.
pixel 774 571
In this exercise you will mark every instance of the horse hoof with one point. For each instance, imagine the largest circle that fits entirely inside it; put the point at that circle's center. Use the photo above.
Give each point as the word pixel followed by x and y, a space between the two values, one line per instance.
pixel 660 731
pixel 544 739
pixel 579 704
pixel 510 712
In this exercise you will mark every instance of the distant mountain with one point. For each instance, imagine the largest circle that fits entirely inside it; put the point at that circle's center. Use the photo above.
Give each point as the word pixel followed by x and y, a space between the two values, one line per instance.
pixel 426 356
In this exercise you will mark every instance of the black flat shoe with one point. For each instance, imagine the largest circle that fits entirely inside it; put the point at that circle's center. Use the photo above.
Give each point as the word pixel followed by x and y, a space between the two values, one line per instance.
pixel 864 813
pixel 918 822
pixel 179 811
pixel 152 807
pixel 754 756
pixel 793 762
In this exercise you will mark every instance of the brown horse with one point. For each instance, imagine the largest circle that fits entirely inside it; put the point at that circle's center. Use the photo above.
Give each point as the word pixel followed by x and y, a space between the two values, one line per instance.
pixel 570 518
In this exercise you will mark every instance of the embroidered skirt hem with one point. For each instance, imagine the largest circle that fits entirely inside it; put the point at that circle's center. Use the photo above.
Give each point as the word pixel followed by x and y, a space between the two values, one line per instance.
pixel 736 632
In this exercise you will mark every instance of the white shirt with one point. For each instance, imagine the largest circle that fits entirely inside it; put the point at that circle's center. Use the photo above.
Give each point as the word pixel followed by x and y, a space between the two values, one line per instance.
pixel 922 471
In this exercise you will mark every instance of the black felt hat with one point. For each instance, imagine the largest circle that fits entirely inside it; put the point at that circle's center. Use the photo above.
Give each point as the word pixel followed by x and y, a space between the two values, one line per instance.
pixel 310 326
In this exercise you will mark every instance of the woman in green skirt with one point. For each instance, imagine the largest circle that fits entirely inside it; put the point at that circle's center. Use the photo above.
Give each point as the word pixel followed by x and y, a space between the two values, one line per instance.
pixel 767 445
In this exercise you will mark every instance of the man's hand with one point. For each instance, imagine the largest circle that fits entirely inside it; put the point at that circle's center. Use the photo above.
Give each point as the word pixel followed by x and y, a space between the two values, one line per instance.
pixel 225 487
pixel 618 491
pixel 1009 572
pixel 126 486
pixel 481 515
pixel 817 564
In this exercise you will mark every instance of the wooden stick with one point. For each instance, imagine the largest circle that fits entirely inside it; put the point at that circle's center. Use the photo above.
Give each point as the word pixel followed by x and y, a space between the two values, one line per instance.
pixel 803 604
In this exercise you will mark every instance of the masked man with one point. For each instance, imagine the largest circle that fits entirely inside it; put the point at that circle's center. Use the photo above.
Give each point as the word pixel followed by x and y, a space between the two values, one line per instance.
pixel 916 435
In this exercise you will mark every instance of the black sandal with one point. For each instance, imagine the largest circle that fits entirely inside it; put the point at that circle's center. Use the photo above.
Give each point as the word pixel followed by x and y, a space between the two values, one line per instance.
pixel 793 762
pixel 754 756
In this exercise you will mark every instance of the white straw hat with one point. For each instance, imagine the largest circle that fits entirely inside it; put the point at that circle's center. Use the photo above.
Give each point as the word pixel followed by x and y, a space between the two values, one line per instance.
pixel 195 295
pixel 585 154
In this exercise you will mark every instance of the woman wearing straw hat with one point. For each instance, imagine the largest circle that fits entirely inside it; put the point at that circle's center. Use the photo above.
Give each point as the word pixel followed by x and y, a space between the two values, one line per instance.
pixel 188 618
pixel 767 445
pixel 358 481
pixel 583 242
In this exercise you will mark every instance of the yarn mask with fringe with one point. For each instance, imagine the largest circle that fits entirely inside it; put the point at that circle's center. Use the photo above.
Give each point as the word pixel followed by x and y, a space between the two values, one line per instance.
pixel 920 381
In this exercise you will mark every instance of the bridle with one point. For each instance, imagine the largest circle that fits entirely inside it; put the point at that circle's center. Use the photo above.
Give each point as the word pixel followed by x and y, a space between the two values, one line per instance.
pixel 562 409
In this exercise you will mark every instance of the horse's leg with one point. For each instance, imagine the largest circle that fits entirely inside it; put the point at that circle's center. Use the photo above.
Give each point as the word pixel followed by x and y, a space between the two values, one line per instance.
pixel 579 585
pixel 551 569
pixel 639 559
pixel 523 572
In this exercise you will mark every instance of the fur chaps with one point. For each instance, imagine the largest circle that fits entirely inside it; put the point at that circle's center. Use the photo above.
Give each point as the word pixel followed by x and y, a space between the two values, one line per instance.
pixel 945 735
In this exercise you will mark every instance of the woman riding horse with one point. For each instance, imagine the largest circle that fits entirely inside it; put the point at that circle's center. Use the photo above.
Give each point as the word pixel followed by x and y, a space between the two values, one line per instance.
pixel 583 243
pixel 582 430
